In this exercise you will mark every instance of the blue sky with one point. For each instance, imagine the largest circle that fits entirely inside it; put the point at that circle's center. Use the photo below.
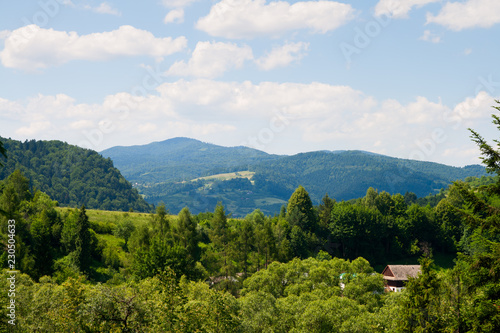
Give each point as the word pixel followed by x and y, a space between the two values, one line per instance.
pixel 402 78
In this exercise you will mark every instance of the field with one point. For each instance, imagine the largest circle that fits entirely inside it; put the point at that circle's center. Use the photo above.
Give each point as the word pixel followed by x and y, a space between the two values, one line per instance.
pixel 227 176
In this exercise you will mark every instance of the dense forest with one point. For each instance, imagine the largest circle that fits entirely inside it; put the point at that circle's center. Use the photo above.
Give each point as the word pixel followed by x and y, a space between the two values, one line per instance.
pixel 182 171
pixel 71 175
pixel 80 272
pixel 212 273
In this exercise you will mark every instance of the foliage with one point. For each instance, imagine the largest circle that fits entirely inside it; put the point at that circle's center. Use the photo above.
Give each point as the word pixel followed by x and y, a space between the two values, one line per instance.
pixel 71 175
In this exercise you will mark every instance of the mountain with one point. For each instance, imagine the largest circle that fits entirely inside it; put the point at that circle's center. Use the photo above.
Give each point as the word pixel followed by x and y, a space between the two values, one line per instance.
pixel 71 175
pixel 180 159
pixel 185 172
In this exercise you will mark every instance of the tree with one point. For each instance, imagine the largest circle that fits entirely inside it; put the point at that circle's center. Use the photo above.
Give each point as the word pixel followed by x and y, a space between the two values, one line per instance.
pixel 187 234
pixel 161 223
pixel 124 230
pixel 161 255
pixel 300 199
pixel 325 211
pixel 422 301
pixel 83 249
pixel 221 236
pixel 491 156
pixel 244 242
pixel 343 226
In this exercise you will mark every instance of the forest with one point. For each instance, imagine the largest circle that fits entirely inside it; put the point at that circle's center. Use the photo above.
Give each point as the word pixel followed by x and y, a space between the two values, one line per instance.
pixel 184 172
pixel 71 175
pixel 77 271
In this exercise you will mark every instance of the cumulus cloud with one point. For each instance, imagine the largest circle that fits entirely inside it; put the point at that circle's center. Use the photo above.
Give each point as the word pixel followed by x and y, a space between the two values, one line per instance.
pixel 474 107
pixel 34 128
pixel 283 55
pixel 104 8
pixel 277 117
pixel 399 8
pixel 251 18
pixel 428 36
pixel 174 16
pixel 212 59
pixel 4 34
pixel 32 47
pixel 469 14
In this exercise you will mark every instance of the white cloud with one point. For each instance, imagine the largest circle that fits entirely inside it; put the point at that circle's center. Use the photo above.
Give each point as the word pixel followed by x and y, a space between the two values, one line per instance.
pixel 147 128
pixel 105 8
pixel 177 3
pixel 212 59
pixel 469 14
pixel 251 18
pixel 34 128
pixel 174 16
pixel 4 34
pixel 428 36
pixel 467 52
pixel 276 117
pixel 32 47
pixel 399 8
pixel 283 55
pixel 81 124
pixel 474 107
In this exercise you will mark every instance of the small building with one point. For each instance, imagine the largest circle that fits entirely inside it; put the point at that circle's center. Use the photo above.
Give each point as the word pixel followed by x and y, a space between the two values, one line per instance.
pixel 396 276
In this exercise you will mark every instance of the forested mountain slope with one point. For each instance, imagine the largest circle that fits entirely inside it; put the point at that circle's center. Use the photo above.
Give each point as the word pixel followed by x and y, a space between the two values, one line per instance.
pixel 169 171
pixel 180 159
pixel 347 175
pixel 71 175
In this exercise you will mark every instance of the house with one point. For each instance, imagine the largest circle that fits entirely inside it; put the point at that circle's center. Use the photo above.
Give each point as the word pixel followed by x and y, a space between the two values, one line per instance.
pixel 395 276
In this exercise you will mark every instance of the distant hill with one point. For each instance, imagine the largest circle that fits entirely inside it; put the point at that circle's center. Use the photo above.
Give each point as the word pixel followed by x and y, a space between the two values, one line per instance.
pixel 71 175
pixel 175 171
pixel 347 175
pixel 180 159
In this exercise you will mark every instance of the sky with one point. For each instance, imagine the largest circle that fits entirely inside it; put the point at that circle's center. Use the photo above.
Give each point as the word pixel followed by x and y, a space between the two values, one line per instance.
pixel 401 78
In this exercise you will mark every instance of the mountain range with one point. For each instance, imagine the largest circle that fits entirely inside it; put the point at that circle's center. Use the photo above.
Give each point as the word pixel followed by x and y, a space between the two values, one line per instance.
pixel 186 172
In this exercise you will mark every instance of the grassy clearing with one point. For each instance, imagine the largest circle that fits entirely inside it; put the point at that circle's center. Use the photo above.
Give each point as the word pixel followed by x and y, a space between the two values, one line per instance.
pixel 269 201
pixel 227 176
pixel 112 217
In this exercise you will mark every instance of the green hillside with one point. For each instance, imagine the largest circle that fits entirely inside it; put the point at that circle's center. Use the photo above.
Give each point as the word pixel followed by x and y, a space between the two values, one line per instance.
pixel 184 172
pixel 71 175
pixel 180 159
pixel 347 175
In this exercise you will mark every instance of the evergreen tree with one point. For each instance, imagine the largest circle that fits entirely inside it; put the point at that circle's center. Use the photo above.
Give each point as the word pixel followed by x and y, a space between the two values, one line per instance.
pixel 491 156
pixel 422 301
pixel 244 243
pixel 325 210
pixel 161 223
pixel 82 253
pixel 187 234
pixel 300 199
pixel 221 235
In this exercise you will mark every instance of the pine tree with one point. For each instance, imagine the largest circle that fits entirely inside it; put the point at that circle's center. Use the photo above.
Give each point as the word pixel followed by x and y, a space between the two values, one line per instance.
pixel 187 234
pixel 221 235
pixel 491 156
pixel 83 250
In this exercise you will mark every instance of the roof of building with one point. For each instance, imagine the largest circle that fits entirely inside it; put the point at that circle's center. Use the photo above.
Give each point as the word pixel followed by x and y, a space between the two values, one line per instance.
pixel 400 272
